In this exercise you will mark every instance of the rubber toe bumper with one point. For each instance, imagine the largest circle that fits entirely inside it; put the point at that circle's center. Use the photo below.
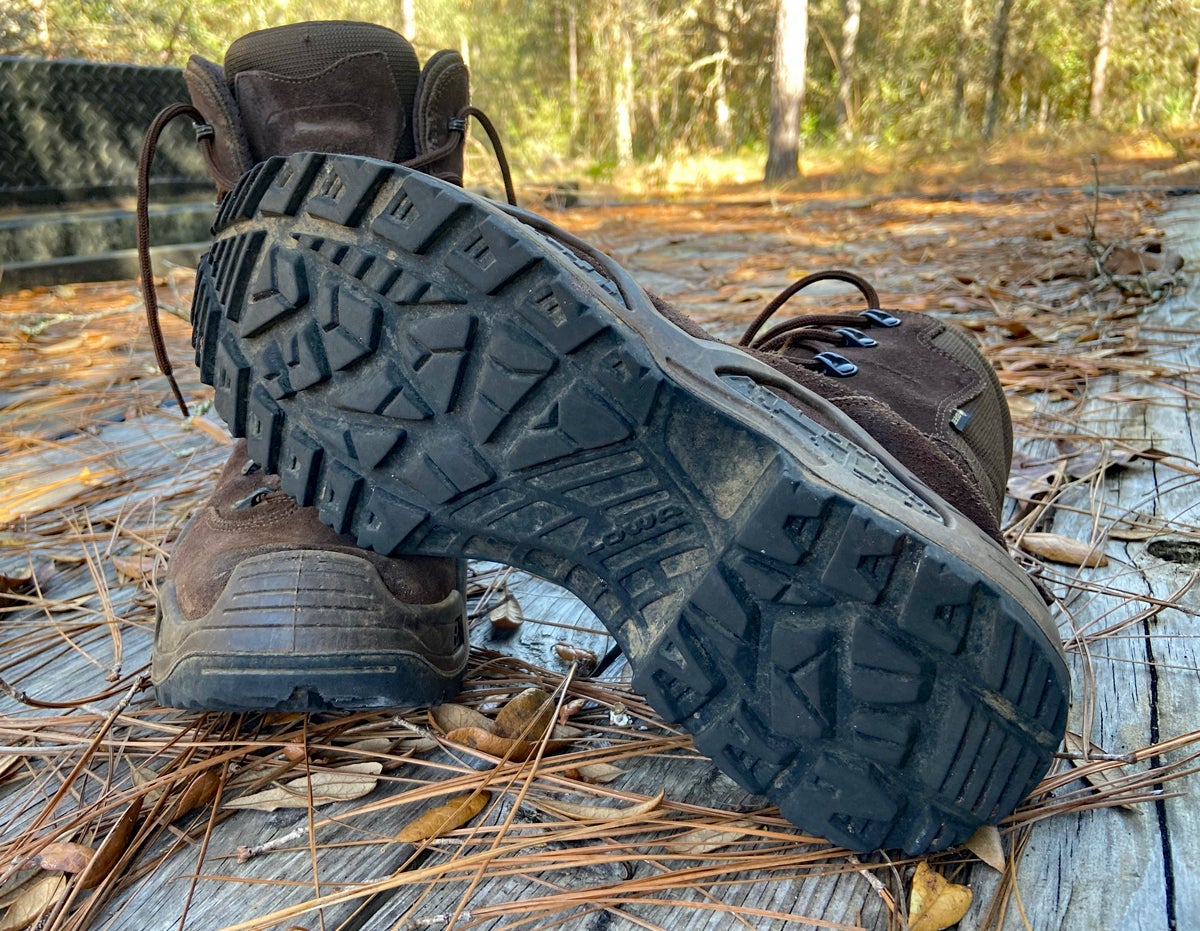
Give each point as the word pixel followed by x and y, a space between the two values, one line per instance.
pixel 308 630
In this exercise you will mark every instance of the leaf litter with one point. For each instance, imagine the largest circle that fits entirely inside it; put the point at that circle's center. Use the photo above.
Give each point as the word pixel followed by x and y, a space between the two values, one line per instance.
pixel 1065 318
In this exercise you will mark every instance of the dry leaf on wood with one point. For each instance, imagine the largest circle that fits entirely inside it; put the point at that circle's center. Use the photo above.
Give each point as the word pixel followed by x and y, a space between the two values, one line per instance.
pixel 143 776
pixel 112 847
pixel 478 739
pixel 1100 778
pixel 1128 534
pixel 985 844
pixel 200 791
pixel 445 818
pixel 508 614
pixel 596 773
pixel 334 785
pixel 1021 408
pixel 527 715
pixel 451 717
pixel 569 653
pixel 15 585
pixel 700 841
pixel 581 812
pixel 61 857
pixel 935 903
pixel 34 901
pixel 136 568
pixel 1057 548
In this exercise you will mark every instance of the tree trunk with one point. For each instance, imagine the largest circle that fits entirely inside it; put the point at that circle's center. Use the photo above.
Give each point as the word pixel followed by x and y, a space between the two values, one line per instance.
pixel 847 59
pixel 1195 90
pixel 573 76
pixel 996 66
pixel 623 91
pixel 724 121
pixel 408 19
pixel 1100 63
pixel 787 91
pixel 966 28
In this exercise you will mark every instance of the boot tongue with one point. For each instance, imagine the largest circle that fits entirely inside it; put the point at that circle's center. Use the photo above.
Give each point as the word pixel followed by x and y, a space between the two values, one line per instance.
pixel 325 87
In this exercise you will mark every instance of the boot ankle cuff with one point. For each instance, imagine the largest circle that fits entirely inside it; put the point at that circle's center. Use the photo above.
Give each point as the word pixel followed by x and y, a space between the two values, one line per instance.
pixel 229 157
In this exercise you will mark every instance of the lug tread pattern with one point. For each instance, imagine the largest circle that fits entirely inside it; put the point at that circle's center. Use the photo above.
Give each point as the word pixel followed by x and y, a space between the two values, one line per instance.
pixel 857 692
pixel 454 386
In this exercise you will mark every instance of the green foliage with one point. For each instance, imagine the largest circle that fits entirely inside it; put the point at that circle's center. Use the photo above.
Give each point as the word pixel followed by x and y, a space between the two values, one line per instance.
pixel 689 62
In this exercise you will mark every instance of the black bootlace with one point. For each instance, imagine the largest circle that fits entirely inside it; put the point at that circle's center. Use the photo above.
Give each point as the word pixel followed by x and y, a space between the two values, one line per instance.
pixel 204 137
pixel 813 332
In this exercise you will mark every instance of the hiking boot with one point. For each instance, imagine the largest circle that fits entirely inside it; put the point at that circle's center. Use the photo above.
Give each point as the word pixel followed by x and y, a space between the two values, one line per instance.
pixel 264 607
pixel 804 574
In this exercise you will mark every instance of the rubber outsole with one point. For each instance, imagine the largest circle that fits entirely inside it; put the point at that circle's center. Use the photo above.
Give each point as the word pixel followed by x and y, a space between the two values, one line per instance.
pixel 308 630
pixel 435 376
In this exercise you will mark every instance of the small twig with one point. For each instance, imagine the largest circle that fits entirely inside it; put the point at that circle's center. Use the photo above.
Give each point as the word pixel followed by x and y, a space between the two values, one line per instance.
pixel 433 921
pixel 245 853
pixel 874 882
pixel 1097 757
pixel 417 729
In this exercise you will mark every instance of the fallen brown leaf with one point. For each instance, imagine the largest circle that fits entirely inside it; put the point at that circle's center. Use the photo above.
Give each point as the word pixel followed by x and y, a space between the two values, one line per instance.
pixel 1057 548
pixel 569 653
pixel 451 717
pixel 1099 778
pixel 598 773
pixel 200 791
pixel 137 568
pixel 112 847
pixel 527 715
pixel 454 813
pixel 61 857
pixel 935 903
pixel 33 902
pixel 507 615
pixel 588 812
pixel 15 585
pixel 1021 408
pixel 985 844
pixel 700 841
pixel 335 785
pixel 494 744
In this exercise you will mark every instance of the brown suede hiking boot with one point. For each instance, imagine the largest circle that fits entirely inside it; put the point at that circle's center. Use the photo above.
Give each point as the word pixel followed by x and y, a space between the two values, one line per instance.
pixel 264 607
pixel 803 570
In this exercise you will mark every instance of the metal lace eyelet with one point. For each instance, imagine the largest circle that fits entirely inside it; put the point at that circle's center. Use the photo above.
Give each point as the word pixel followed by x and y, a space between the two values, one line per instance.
pixel 251 499
pixel 836 365
pixel 853 337
pixel 880 318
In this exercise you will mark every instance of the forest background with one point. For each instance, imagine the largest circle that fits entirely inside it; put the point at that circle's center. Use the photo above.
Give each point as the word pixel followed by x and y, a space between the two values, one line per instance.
pixel 605 89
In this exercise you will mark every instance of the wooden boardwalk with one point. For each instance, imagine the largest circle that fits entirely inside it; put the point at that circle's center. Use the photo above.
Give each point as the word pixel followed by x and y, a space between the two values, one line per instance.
pixel 98 473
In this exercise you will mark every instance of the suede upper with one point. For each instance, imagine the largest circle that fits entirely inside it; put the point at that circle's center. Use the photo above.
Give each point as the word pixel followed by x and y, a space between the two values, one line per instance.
pixel 248 515
pixel 904 394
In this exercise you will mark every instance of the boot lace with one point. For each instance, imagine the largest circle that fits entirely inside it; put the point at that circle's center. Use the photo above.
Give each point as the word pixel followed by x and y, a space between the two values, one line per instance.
pixel 204 138
pixel 813 332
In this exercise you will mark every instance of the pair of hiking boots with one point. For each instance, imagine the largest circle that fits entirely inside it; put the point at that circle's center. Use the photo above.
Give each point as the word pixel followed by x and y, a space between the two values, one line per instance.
pixel 795 540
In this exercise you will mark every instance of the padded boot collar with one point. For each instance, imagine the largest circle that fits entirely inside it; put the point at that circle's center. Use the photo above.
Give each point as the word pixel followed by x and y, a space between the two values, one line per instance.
pixel 351 107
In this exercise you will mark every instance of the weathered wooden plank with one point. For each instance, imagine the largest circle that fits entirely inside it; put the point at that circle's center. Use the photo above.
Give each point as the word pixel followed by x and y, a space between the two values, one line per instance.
pixel 1118 868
